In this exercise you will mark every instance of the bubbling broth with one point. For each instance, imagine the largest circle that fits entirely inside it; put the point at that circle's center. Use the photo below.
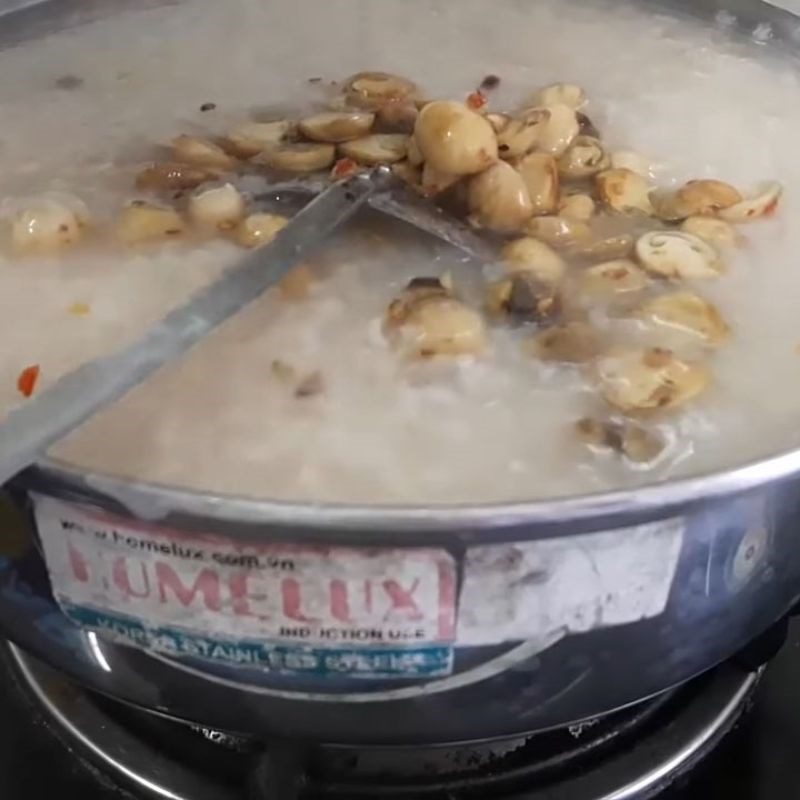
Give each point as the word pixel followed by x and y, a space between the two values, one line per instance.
pixel 639 323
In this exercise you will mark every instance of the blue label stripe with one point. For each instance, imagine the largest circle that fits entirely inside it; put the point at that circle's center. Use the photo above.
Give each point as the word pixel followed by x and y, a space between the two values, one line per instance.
pixel 376 662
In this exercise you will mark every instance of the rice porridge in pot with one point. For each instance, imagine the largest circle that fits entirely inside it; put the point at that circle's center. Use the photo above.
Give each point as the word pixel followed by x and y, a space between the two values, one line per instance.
pixel 316 392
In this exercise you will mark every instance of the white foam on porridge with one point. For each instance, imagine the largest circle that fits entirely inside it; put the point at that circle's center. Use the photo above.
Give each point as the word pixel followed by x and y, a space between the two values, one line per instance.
pixel 498 429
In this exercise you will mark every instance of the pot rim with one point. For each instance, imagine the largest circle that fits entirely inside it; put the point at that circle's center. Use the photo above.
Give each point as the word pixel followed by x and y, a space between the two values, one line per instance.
pixel 154 502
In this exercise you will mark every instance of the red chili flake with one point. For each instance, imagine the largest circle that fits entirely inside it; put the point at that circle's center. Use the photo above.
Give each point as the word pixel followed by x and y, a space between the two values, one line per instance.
pixel 770 209
pixel 344 167
pixel 477 100
pixel 26 382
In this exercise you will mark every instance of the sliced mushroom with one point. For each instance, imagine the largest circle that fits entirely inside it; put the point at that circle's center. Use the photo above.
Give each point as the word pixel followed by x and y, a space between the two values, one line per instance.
pixel 624 190
pixel 299 156
pixel 201 152
pixel 612 279
pixel 569 343
pixel 371 90
pixel 567 94
pixel 377 148
pixel 762 204
pixel 524 298
pixel 559 231
pixel 716 232
pixel 257 229
pixel 539 171
pixel 337 126
pixel 520 135
pixel 454 139
pixel 648 379
pixel 678 255
pixel 688 313
pixel 628 159
pixel 580 207
pixel 498 199
pixel 586 156
pixel 252 138
pixel 173 177
pixel 141 222
pixel 608 248
pixel 559 130
pixel 48 226
pixel 220 207
pixel 426 321
pixel 530 255
pixel 636 443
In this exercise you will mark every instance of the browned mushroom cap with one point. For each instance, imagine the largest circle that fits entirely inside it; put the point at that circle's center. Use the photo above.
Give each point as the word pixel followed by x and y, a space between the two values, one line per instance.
pixel 524 298
pixel 377 148
pixel 696 198
pixel 373 90
pixel 252 138
pixel 298 156
pixel 427 321
pixel 455 139
pixel 416 290
pixel 498 199
pixel 337 126
pixel 202 153
pixel 568 342
pixel 626 438
pixel 646 379
pixel 173 177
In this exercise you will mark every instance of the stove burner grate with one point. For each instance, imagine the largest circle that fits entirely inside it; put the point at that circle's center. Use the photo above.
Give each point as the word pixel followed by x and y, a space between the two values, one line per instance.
pixel 630 755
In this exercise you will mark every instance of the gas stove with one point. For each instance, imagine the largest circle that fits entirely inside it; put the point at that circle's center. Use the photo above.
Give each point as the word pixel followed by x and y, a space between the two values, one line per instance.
pixel 731 733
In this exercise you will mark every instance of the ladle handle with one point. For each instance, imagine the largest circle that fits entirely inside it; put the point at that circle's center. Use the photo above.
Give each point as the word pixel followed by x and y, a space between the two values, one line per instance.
pixel 31 429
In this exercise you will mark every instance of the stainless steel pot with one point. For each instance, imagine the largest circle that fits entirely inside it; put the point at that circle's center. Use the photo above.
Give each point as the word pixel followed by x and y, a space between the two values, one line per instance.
pixel 395 625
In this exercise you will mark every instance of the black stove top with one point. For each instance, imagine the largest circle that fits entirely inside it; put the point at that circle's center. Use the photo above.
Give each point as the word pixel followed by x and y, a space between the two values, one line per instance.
pixel 757 760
